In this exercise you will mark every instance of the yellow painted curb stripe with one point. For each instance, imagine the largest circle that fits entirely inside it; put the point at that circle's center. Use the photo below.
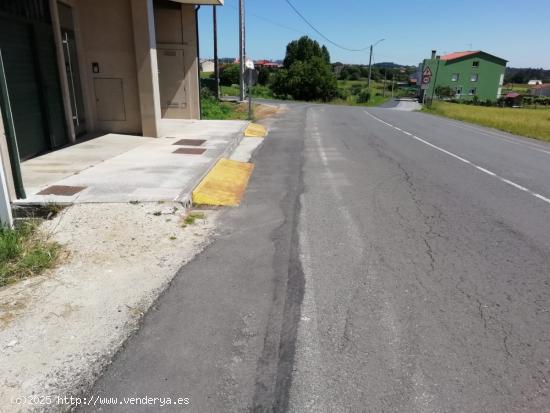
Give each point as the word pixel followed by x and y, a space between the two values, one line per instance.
pixel 255 130
pixel 224 184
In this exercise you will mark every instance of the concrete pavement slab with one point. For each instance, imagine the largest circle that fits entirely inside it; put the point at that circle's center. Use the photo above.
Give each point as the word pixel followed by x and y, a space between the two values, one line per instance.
pixel 118 168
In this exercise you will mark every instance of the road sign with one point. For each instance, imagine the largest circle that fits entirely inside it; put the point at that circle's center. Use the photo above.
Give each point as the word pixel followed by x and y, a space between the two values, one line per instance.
pixel 249 64
pixel 251 76
pixel 426 76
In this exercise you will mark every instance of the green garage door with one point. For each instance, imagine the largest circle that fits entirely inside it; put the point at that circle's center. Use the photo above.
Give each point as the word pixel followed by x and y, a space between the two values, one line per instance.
pixel 16 44
pixel 30 64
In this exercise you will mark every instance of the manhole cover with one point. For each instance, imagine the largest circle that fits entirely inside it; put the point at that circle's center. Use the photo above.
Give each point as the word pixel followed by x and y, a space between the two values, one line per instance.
pixel 62 190
pixel 190 151
pixel 190 142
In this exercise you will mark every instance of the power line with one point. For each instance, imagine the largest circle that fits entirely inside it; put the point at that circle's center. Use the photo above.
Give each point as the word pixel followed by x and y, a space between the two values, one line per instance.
pixel 321 34
pixel 269 20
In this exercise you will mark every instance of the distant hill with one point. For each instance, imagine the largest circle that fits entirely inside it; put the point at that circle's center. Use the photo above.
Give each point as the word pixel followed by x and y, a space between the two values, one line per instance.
pixel 524 75
pixel 389 65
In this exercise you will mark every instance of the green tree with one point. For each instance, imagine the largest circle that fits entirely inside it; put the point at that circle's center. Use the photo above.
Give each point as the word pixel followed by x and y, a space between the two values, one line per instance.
pixel 263 76
pixel 363 96
pixel 350 72
pixel 326 54
pixel 229 74
pixel 303 50
pixel 307 73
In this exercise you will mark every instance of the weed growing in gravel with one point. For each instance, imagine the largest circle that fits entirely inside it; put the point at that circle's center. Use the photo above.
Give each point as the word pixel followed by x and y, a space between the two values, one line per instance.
pixel 192 217
pixel 24 252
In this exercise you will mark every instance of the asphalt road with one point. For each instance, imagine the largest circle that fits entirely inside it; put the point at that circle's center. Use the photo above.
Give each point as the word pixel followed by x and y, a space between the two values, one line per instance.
pixel 382 261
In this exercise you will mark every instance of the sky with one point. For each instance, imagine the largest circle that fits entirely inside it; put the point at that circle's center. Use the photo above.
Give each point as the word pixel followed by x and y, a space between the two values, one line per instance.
pixel 518 31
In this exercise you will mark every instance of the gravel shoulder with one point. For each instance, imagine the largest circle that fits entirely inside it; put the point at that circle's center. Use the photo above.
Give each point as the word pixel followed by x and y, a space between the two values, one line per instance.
pixel 58 331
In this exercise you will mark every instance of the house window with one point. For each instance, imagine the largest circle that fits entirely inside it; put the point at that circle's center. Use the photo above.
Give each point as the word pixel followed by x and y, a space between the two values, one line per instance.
pixel 454 77
pixel 474 77
pixel 459 90
pixel 475 63
pixel 472 91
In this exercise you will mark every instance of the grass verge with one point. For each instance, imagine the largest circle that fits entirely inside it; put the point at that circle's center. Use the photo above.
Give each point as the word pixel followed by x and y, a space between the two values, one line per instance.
pixel 533 123
pixel 258 91
pixel 352 101
pixel 211 109
pixel 348 90
pixel 24 252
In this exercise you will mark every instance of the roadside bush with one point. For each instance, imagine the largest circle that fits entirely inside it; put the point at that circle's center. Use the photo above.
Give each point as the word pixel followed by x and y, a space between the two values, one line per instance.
pixel 311 80
pixel 229 74
pixel 356 89
pixel 343 94
pixel 208 83
pixel 307 74
pixel 363 96
pixel 537 100
pixel 263 76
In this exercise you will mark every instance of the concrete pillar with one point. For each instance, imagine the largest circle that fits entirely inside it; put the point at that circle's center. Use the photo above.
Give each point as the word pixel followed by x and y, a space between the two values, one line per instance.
pixel 147 68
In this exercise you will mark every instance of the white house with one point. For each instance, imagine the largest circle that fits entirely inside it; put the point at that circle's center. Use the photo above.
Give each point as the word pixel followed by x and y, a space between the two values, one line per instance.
pixel 534 82
pixel 207 66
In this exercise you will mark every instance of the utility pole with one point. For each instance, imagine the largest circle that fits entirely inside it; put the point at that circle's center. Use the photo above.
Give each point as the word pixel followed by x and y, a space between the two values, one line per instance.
pixel 392 84
pixel 370 67
pixel 242 51
pixel 370 61
pixel 216 60
pixel 384 91
pixel 435 81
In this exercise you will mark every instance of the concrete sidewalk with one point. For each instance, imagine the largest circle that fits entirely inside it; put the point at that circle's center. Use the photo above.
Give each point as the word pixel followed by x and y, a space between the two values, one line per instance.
pixel 122 168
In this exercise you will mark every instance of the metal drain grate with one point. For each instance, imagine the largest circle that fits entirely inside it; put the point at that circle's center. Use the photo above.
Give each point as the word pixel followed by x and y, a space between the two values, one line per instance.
pixel 190 142
pixel 190 151
pixel 62 190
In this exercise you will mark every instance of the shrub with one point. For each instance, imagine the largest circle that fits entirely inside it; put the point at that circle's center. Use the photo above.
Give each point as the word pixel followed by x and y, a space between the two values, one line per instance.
pixel 229 74
pixel 307 74
pixel 356 89
pixel 263 76
pixel 364 96
pixel 344 93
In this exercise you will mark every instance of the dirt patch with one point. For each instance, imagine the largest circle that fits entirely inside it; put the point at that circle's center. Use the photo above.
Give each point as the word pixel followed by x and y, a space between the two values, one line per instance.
pixel 262 111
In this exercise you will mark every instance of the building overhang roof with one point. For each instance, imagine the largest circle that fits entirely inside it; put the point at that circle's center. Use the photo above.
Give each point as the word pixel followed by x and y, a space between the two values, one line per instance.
pixel 201 2
pixel 460 55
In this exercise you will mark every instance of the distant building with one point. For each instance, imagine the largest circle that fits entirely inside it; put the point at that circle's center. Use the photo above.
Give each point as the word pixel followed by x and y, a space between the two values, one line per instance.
pixel 534 82
pixel 267 64
pixel 470 74
pixel 75 69
pixel 541 90
pixel 207 66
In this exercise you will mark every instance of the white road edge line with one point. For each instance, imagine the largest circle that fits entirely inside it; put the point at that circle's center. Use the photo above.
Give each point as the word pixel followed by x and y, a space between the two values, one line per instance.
pixel 503 138
pixel 466 161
